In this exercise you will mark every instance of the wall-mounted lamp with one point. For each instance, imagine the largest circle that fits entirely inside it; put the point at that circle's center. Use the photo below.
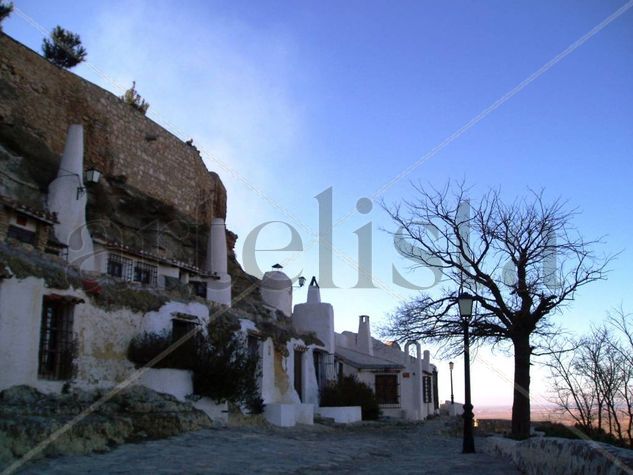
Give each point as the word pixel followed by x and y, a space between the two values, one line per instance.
pixel 93 175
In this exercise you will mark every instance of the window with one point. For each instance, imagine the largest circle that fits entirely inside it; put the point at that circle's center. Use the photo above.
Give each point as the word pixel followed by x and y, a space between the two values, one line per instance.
pixel 185 325
pixel 386 387
pixel 318 368
pixel 119 266
pixel 21 219
pixel 56 339
pixel 21 234
pixel 145 273
pixel 199 289
pixel 253 346
pixel 436 396
pixel 427 387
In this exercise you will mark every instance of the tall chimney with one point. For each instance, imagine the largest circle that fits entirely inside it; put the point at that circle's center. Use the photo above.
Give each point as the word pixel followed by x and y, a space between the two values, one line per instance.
pixel 67 198
pixel 216 248
pixel 314 293
pixel 363 339
pixel 219 284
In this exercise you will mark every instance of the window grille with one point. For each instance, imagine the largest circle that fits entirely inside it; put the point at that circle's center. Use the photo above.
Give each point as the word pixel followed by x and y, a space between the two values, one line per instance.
pixel 145 273
pixel 119 266
pixel 436 396
pixel 386 389
pixel 21 234
pixel 427 387
pixel 56 340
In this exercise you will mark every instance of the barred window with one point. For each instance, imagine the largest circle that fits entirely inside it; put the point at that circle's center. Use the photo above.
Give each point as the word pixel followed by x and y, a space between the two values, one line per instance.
pixel 386 388
pixel 21 234
pixel 145 273
pixel 427 388
pixel 119 266
pixel 56 340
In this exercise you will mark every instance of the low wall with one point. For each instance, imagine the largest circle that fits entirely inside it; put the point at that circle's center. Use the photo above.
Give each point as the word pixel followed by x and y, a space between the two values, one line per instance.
pixel 217 412
pixel 176 382
pixel 551 455
pixel 343 414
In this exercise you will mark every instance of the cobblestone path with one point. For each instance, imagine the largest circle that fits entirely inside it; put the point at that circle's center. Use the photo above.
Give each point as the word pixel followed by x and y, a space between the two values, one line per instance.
pixel 375 448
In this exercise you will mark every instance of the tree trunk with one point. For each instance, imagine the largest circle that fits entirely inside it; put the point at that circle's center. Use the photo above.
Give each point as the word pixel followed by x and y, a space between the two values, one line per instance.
pixel 521 404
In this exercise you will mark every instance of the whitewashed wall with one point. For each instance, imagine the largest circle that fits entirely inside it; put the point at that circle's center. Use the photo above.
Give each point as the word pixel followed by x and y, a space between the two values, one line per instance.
pixel 20 322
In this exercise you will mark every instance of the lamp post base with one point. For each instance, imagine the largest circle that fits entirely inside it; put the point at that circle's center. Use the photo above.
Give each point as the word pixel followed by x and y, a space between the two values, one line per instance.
pixel 469 440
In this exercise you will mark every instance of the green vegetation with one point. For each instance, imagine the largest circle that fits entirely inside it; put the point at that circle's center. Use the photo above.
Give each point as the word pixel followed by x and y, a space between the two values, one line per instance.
pixel 23 264
pixel 64 48
pixel 223 370
pixel 132 98
pixel 113 295
pixel 5 10
pixel 348 391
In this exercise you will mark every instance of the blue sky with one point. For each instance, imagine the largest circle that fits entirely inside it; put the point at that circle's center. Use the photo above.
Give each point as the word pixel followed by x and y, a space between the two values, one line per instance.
pixel 291 98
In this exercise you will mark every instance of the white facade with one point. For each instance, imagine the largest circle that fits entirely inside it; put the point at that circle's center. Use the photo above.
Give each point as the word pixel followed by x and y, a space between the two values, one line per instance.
pixel 398 377
pixel 410 374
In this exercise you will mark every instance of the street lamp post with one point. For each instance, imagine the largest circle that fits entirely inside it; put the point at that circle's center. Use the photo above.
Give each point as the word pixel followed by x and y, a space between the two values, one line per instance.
pixel 450 366
pixel 465 303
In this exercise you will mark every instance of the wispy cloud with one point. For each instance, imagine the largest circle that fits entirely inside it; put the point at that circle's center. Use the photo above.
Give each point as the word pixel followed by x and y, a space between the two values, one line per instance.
pixel 223 82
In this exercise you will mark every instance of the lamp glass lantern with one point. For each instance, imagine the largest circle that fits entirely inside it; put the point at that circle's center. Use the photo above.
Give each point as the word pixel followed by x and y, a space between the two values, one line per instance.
pixel 93 175
pixel 451 365
pixel 465 303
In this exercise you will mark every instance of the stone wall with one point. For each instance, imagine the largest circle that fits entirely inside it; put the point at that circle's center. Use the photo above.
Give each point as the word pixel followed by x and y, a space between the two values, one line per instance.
pixel 38 101
pixel 553 456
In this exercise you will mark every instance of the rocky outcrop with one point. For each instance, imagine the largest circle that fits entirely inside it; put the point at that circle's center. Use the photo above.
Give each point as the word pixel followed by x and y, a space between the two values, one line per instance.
pixel 38 101
pixel 29 417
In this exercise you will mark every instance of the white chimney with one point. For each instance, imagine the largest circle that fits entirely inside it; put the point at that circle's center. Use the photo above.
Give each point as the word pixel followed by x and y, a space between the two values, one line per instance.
pixel 219 283
pixel 67 197
pixel 363 339
pixel 216 248
pixel 314 292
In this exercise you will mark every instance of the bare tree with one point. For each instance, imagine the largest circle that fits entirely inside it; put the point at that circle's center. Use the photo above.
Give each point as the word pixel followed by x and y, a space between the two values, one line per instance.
pixel 594 383
pixel 574 391
pixel 622 324
pixel 523 261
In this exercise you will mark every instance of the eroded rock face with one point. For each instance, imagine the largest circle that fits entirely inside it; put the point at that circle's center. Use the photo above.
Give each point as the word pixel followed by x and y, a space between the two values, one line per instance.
pixel 40 100
pixel 29 417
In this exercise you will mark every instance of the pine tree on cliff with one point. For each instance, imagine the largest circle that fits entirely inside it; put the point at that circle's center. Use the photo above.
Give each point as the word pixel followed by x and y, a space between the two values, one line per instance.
pixel 5 10
pixel 64 48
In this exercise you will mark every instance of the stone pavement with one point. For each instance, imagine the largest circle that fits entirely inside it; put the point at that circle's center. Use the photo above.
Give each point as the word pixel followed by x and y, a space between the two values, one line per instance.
pixel 379 448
